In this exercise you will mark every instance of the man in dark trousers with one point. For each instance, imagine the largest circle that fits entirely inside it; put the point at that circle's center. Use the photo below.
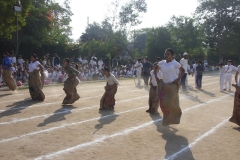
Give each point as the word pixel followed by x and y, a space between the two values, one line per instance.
pixel 199 70
pixel 184 64
pixel 56 60
pixel 147 66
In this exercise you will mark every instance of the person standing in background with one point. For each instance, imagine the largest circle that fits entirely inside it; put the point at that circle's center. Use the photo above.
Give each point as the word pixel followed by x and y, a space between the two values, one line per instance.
pixel 184 64
pixel 199 70
pixel 115 62
pixel 13 58
pixel 228 75
pixel 222 70
pixel 194 72
pixel 147 66
pixel 138 67
pixel 20 60
pixel 56 60
pixel 100 64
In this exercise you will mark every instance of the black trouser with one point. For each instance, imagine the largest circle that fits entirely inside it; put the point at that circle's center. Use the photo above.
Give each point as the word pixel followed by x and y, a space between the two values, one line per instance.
pixel 183 82
pixel 145 78
pixel 199 81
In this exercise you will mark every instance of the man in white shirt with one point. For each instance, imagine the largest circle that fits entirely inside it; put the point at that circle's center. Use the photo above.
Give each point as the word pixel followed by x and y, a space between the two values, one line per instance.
pixel 138 67
pixel 13 58
pixel 222 70
pixel 100 64
pixel 80 59
pixel 184 64
pixel 84 61
pixel 20 60
pixel 195 72
pixel 92 62
pixel 228 75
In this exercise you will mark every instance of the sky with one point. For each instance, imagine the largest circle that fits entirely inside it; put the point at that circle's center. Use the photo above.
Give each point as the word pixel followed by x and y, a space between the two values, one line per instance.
pixel 158 12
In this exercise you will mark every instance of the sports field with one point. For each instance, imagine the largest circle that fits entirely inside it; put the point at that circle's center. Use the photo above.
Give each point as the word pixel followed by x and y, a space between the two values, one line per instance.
pixel 48 130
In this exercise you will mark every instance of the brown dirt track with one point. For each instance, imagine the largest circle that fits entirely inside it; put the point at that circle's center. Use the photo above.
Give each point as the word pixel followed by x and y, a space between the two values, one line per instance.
pixel 48 130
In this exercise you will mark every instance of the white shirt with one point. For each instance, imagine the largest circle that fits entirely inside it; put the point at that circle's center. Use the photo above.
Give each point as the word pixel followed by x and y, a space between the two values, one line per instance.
pixel 194 68
pixel 230 68
pixel 92 62
pixel 223 70
pixel 184 63
pixel 139 66
pixel 20 61
pixel 169 70
pixel 111 80
pixel 13 59
pixel 84 61
pixel 33 65
pixel 100 63
pixel 153 80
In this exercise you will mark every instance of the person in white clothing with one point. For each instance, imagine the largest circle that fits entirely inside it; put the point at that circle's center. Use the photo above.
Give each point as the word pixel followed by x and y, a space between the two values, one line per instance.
pixel 195 72
pixel 153 101
pixel 100 64
pixel 222 70
pixel 138 67
pixel 237 78
pixel 184 64
pixel 168 93
pixel 35 82
pixel 13 58
pixel 20 60
pixel 107 101
pixel 228 75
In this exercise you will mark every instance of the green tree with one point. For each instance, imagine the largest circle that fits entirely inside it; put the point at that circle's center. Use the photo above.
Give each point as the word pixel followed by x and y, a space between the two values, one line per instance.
pixel 221 26
pixel 158 40
pixel 8 17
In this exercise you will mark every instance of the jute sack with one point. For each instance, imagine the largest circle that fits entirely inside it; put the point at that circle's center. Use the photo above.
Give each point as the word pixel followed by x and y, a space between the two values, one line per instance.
pixel 236 107
pixel 169 103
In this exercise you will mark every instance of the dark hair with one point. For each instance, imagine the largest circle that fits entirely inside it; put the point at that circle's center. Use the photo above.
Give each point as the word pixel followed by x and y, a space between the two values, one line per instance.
pixel 6 53
pixel 170 50
pixel 67 60
pixel 76 66
pixel 200 62
pixel 107 69
pixel 221 64
pixel 34 56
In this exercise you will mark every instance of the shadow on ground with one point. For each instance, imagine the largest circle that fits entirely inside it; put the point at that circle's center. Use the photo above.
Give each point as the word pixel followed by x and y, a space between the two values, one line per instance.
pixel 18 106
pixel 107 117
pixel 174 142
pixel 58 115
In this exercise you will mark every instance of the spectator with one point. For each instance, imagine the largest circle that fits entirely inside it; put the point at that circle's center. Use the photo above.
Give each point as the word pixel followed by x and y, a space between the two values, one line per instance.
pixel 115 62
pixel 100 64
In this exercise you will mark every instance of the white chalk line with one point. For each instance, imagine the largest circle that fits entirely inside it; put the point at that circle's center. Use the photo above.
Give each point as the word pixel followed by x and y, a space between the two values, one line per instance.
pixel 50 103
pixel 52 95
pixel 70 124
pixel 125 132
pixel 81 98
pixel 198 139
pixel 22 93
pixel 65 111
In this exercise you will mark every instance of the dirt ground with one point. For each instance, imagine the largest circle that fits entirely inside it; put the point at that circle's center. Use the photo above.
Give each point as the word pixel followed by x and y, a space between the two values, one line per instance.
pixel 48 130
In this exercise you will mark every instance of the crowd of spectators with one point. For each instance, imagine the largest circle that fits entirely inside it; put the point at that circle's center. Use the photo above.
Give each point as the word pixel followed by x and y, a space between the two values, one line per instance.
pixel 89 68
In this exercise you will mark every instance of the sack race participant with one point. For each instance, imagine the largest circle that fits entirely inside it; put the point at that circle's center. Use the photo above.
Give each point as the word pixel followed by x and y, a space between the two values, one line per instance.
pixel 236 108
pixel 153 101
pixel 168 90
pixel 71 83
pixel 34 81
pixel 108 99
pixel 7 73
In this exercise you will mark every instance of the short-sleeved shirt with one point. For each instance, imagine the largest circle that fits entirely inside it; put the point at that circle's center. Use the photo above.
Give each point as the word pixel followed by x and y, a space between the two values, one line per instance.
pixel 147 67
pixel 33 65
pixel 154 81
pixel 111 80
pixel 6 62
pixel 199 69
pixel 184 63
pixel 169 70
pixel 139 66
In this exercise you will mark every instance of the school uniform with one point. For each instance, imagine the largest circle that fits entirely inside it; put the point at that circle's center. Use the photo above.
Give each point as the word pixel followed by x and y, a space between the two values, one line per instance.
pixel 228 77
pixel 222 77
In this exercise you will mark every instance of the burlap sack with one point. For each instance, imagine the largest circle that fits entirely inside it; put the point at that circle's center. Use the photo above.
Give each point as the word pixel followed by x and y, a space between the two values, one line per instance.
pixel 236 107
pixel 169 103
